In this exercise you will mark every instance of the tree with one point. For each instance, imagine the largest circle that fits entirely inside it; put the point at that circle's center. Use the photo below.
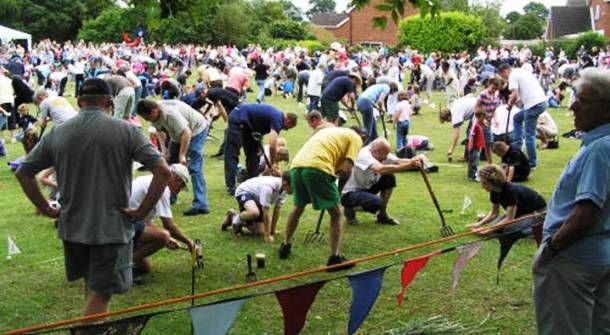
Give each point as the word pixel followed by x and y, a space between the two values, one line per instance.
pixel 448 32
pixel 527 27
pixel 456 6
pixel 513 16
pixel 490 15
pixel 288 30
pixel 537 9
pixel 291 11
pixel 321 6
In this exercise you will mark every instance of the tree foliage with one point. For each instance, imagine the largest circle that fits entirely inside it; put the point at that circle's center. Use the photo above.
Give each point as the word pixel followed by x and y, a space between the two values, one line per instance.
pixel 538 9
pixel 527 27
pixel 448 32
pixel 396 9
pixel 287 29
pixel 321 6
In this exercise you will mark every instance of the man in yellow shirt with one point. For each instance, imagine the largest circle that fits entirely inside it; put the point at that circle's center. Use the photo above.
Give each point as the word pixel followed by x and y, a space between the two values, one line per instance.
pixel 329 152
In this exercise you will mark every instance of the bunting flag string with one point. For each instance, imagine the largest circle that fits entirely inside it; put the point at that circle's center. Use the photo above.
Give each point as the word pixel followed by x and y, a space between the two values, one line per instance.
pixel 295 303
pixel 365 290
pixel 215 319
pixel 129 326
pixel 409 271
pixel 466 254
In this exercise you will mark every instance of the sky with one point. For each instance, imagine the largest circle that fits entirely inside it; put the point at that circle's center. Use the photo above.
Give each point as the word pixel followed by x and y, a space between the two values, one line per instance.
pixel 507 5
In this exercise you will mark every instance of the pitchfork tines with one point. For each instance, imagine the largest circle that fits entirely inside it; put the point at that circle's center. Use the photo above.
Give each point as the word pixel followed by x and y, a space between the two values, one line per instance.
pixel 315 236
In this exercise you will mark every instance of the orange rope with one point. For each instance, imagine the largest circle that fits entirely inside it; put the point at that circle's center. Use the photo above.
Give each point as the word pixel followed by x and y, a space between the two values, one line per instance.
pixel 265 281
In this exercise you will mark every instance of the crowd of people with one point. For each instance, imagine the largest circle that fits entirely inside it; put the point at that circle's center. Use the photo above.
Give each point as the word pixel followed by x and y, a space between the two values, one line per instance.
pixel 182 90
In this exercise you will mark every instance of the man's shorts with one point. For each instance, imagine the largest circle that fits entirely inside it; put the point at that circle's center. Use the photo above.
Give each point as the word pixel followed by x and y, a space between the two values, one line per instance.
pixel 243 198
pixel 105 267
pixel 139 230
pixel 329 109
pixel 314 186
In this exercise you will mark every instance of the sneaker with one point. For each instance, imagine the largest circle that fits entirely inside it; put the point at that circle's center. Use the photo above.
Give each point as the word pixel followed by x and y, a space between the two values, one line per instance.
pixel 238 229
pixel 228 220
pixel 338 259
pixel 231 191
pixel 386 219
pixel 285 249
pixel 196 211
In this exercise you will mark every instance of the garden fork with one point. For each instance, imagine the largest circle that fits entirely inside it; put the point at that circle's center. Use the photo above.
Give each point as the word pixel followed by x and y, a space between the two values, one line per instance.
pixel 315 236
pixel 446 230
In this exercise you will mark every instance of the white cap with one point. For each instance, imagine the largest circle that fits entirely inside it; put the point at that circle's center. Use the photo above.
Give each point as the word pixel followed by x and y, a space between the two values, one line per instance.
pixel 182 172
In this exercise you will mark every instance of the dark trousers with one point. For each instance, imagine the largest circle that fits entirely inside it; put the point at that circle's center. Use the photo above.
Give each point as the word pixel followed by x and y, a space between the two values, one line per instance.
pixel 79 79
pixel 62 86
pixel 368 199
pixel 238 137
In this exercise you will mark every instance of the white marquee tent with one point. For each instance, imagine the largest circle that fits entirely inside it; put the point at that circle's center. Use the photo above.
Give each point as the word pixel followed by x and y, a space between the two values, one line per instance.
pixel 8 34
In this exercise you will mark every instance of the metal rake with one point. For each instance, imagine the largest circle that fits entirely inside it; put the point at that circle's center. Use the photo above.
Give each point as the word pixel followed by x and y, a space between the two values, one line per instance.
pixel 446 230
pixel 315 236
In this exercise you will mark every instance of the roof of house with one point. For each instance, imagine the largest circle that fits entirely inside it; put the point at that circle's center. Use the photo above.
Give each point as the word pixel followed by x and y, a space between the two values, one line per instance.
pixel 329 19
pixel 569 20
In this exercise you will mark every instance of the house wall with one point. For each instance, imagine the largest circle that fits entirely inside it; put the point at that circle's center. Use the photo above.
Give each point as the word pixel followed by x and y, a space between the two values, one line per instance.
pixel 362 29
pixel 603 23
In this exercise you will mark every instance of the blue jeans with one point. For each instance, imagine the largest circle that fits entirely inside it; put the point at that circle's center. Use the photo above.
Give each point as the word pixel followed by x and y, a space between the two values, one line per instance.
pixel 474 156
pixel 261 90
pixel 2 121
pixel 314 103
pixel 365 107
pixel 527 118
pixel 195 166
pixel 402 130
pixel 554 103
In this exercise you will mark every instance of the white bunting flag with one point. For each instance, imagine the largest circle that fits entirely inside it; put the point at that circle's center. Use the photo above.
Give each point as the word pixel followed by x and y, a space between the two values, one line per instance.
pixel 12 248
pixel 467 203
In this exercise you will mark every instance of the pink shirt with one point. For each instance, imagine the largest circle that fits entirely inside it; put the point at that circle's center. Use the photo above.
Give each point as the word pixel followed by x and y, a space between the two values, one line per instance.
pixel 238 80
pixel 403 110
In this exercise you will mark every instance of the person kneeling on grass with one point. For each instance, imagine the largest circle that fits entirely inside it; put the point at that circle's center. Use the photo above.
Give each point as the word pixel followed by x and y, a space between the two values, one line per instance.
pixel 515 163
pixel 517 200
pixel 255 197
pixel 149 239
pixel 373 173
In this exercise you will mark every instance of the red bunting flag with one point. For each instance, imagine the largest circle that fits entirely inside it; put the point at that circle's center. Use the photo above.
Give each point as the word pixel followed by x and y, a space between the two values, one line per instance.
pixel 409 271
pixel 295 303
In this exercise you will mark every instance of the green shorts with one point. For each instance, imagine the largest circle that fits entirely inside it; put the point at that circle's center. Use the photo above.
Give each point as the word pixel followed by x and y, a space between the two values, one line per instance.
pixel 315 187
pixel 329 109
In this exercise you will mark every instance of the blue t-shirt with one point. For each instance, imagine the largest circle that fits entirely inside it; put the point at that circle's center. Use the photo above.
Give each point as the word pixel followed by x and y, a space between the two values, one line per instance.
pixel 374 92
pixel 338 88
pixel 260 117
pixel 587 177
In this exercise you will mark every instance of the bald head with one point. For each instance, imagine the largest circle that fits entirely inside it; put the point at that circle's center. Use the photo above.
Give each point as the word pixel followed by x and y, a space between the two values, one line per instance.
pixel 380 148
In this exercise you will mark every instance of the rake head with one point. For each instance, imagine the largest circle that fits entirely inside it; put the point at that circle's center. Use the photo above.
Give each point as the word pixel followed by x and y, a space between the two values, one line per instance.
pixel 314 237
pixel 447 231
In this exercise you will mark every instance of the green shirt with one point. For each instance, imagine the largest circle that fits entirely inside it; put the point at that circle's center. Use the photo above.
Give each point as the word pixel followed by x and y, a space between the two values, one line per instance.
pixel 93 155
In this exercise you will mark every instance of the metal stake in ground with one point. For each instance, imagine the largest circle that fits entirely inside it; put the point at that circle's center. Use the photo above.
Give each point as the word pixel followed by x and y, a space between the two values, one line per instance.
pixel 250 276
pixel 445 229
pixel 316 237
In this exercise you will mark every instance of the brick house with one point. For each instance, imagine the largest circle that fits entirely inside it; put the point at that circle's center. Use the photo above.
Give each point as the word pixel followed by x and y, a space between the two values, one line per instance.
pixel 356 26
pixel 579 16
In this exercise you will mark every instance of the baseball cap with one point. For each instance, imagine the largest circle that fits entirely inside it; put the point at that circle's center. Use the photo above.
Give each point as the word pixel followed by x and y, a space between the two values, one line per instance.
pixel 182 172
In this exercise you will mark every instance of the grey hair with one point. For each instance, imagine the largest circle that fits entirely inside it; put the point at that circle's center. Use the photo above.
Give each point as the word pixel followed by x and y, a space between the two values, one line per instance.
pixel 41 92
pixel 598 81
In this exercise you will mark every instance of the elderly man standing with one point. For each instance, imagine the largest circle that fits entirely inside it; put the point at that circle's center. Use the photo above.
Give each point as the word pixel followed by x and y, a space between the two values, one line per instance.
pixel 373 173
pixel 572 267
pixel 328 152
pixel 188 130
pixel 247 123
pixel 94 222
pixel 526 89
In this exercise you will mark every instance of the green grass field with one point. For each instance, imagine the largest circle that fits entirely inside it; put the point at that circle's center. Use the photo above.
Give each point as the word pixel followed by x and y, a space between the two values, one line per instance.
pixel 34 289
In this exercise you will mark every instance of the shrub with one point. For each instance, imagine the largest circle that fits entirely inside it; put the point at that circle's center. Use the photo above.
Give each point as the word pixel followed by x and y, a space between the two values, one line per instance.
pixel 313 46
pixel 449 32
pixel 110 25
pixel 287 29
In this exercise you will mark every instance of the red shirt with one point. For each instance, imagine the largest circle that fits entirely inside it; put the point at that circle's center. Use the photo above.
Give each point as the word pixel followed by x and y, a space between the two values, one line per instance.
pixel 477 139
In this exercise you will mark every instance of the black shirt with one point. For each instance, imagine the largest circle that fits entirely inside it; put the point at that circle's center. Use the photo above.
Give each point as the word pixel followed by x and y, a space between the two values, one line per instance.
pixel 526 199
pixel 261 71
pixel 228 99
pixel 517 159
pixel 338 88
pixel 332 76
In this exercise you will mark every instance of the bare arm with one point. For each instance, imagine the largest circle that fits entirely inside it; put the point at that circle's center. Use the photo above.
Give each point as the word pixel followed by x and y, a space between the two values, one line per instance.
pixel 275 218
pixel 510 173
pixel 513 99
pixel 44 178
pixel 402 165
pixel 585 215
pixel 175 232
pixel 345 170
pixel 492 215
pixel 266 226
pixel 185 140
pixel 273 136
pixel 32 191
pixel 455 136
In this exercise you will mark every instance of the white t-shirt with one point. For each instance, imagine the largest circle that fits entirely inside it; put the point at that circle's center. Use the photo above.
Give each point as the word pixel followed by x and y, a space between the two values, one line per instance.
pixel 545 121
pixel 267 189
pixel 139 188
pixel 57 108
pixel 528 87
pixel 453 87
pixel 498 122
pixel 462 109
pixel 404 110
pixel 314 86
pixel 362 178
